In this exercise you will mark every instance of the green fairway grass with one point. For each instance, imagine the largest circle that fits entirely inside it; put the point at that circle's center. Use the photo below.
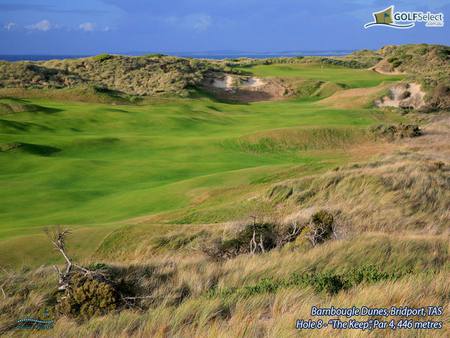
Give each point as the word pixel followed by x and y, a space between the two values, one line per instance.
pixel 86 164
pixel 352 78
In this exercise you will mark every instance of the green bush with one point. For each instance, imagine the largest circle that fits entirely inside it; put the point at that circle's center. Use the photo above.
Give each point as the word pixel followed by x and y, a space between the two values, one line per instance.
pixel 323 218
pixel 87 297
pixel 103 57
pixel 265 231
pixel 154 55
pixel 329 282
pixel 395 62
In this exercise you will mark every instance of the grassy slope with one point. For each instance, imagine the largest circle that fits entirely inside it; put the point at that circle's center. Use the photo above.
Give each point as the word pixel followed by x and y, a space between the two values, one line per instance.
pixel 253 295
pixel 111 163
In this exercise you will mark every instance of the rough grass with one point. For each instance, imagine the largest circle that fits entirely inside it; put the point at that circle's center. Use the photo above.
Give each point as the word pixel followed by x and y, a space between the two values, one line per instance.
pixel 261 293
pixel 130 75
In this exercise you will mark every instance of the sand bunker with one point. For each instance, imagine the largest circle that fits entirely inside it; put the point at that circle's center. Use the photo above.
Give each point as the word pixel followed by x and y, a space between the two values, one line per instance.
pixel 403 95
pixel 237 88
pixel 229 82
pixel 253 82
pixel 225 83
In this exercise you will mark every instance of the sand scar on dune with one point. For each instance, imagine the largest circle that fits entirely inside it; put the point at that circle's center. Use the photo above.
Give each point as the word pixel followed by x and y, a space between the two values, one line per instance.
pixel 403 95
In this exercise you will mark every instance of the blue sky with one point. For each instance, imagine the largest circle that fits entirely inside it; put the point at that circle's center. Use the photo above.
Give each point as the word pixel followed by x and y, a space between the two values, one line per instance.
pixel 97 26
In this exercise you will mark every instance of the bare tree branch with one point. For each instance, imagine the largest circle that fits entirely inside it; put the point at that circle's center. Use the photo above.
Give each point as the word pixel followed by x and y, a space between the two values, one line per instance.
pixel 253 244
pixel 261 243
pixel 57 237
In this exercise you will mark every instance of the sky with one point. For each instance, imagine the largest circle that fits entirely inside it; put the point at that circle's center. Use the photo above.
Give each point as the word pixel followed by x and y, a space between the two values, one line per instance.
pixel 129 26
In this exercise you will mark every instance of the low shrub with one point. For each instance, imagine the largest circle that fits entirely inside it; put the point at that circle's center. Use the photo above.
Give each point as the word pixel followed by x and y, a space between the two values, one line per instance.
pixel 253 238
pixel 319 229
pixel 392 132
pixel 439 98
pixel 261 237
pixel 154 55
pixel 329 282
pixel 86 297
pixel 103 57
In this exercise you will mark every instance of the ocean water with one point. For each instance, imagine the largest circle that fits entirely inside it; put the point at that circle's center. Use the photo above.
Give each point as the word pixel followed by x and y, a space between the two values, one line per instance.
pixel 200 55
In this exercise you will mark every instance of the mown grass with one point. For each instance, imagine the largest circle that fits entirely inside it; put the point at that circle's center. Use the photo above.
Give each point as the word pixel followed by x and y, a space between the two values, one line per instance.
pixel 352 78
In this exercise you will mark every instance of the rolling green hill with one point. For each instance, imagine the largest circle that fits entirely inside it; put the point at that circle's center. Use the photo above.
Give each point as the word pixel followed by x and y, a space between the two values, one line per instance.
pixel 352 78
pixel 78 163
pixel 96 163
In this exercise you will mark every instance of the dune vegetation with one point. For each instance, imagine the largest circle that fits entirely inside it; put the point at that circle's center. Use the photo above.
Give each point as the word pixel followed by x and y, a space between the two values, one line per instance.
pixel 192 215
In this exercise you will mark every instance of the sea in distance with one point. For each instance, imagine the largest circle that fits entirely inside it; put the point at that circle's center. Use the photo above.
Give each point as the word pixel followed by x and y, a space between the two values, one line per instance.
pixel 217 55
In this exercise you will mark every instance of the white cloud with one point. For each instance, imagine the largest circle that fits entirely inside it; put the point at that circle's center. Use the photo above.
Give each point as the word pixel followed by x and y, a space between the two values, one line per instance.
pixel 9 26
pixel 197 22
pixel 87 26
pixel 43 26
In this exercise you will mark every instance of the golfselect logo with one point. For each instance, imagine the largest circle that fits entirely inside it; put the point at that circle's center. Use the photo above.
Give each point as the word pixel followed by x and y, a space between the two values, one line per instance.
pixel 404 20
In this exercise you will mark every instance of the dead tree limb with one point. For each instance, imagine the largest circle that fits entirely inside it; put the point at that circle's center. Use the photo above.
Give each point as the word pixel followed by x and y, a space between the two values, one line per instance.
pixel 290 236
pixel 57 237
pixel 253 244
pixel 261 243
pixel 316 234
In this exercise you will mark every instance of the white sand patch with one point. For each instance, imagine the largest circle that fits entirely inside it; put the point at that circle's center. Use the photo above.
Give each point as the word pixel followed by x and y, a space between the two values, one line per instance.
pixel 253 82
pixel 225 82
pixel 409 95
pixel 229 82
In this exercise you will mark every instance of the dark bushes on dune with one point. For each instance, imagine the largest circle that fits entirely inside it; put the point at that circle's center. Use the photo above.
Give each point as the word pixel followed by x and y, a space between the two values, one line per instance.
pixel 392 132
pixel 258 238
pixel 253 238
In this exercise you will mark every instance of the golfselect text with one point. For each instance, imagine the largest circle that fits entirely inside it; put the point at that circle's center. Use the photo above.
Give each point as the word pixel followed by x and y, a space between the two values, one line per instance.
pixel 419 17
